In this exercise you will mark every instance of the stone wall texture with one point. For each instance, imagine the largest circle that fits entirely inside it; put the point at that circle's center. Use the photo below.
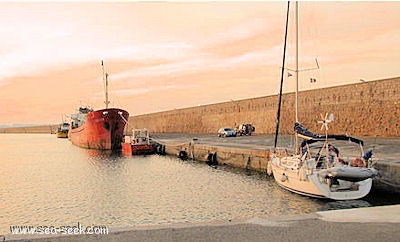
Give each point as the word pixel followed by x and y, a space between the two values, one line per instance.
pixel 42 129
pixel 364 109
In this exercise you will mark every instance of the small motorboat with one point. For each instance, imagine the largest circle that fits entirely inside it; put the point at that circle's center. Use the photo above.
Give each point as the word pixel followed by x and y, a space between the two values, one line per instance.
pixel 62 130
pixel 139 143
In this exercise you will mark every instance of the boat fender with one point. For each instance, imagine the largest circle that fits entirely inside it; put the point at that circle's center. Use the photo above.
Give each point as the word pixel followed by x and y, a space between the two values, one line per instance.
pixel 209 159
pixel 358 162
pixel 160 149
pixel 269 168
pixel 248 166
pixel 133 141
pixel 212 159
pixel 304 175
pixel 284 177
pixel 183 155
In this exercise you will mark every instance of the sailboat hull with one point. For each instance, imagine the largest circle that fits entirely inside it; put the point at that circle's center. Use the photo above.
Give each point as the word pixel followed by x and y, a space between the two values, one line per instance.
pixel 305 183
pixel 289 178
pixel 103 130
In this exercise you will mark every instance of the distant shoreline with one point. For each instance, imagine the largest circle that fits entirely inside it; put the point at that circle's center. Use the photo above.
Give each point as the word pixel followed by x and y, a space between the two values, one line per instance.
pixel 42 129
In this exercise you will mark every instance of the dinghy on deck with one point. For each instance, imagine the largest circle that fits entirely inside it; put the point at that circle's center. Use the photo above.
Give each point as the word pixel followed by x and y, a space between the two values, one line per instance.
pixel 350 173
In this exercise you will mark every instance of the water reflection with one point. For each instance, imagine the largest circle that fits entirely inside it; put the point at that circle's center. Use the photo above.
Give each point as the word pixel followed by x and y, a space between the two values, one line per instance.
pixel 48 181
pixel 335 205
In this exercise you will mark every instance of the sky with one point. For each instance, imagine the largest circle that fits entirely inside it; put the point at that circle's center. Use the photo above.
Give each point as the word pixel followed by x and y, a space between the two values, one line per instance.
pixel 169 55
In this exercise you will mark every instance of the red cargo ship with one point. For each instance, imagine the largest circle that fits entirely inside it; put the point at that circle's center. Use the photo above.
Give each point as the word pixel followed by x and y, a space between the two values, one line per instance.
pixel 101 129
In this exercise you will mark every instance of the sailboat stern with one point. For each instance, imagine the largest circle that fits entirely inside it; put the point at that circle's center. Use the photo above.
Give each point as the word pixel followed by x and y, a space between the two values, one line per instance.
pixel 292 176
pixel 344 183
pixel 338 189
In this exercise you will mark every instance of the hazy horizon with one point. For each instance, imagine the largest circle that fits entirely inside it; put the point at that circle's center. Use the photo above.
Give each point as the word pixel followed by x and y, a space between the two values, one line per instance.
pixel 170 55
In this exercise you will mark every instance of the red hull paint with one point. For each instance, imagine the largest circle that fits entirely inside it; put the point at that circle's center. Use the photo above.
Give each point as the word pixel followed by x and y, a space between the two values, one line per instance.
pixel 103 130
pixel 129 149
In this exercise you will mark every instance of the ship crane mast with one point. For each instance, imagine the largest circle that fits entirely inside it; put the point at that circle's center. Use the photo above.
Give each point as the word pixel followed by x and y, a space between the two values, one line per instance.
pixel 105 80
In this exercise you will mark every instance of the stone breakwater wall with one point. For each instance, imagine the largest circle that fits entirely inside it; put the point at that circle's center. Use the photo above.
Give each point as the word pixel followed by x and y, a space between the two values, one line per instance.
pixel 250 159
pixel 364 109
pixel 43 129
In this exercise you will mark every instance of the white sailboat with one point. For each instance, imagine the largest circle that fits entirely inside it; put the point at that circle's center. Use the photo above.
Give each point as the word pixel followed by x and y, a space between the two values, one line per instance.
pixel 318 170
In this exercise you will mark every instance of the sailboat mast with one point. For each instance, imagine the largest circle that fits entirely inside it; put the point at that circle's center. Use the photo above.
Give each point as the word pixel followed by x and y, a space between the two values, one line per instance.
pixel 297 61
pixel 105 80
pixel 297 73
pixel 278 116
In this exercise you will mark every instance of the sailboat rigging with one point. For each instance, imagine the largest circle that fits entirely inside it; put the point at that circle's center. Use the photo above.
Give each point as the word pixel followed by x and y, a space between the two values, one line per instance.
pixel 319 171
pixel 278 116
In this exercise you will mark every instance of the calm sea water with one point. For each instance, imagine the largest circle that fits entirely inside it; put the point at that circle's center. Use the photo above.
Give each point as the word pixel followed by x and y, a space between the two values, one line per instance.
pixel 48 181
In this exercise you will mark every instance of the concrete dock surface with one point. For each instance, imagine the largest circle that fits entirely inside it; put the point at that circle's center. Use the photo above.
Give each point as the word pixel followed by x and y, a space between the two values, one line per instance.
pixel 358 224
pixel 384 148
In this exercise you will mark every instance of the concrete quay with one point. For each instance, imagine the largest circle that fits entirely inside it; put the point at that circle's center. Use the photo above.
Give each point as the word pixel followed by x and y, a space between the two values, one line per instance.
pixel 252 152
pixel 359 224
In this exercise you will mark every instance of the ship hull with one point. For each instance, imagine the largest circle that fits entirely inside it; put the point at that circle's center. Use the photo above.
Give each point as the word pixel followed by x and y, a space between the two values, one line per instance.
pixel 129 149
pixel 103 130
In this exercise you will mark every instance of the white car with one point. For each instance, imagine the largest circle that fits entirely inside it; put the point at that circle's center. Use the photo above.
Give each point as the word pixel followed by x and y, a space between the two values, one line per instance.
pixel 226 132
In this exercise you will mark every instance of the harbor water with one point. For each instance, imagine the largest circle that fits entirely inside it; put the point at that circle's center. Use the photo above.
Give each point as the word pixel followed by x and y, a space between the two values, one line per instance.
pixel 47 181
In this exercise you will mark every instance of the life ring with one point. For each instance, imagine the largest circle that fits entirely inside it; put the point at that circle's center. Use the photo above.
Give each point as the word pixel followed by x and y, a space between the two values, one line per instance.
pixel 358 162
pixel 133 142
